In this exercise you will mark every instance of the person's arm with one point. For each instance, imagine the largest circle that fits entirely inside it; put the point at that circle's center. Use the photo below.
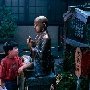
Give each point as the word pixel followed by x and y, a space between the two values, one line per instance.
pixel 2 70
pixel 2 85
pixel 2 73
pixel 24 66
pixel 30 42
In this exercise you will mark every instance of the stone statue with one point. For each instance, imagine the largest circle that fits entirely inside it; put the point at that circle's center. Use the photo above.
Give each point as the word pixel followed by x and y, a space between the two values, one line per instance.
pixel 41 47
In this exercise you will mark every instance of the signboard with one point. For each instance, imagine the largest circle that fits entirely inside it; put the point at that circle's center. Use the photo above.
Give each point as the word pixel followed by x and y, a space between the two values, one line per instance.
pixel 78 57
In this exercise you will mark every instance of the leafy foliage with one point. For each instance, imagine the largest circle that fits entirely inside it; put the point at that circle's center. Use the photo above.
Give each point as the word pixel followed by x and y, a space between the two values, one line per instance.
pixel 66 81
pixel 7 24
pixel 69 59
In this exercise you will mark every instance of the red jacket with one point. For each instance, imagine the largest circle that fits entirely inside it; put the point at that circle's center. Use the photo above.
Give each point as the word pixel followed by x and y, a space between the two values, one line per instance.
pixel 10 67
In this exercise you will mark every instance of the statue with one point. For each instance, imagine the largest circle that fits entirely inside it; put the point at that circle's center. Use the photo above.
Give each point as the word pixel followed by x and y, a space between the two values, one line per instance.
pixel 41 47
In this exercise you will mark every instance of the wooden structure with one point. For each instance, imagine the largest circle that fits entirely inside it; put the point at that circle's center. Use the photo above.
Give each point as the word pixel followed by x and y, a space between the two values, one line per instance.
pixel 77 40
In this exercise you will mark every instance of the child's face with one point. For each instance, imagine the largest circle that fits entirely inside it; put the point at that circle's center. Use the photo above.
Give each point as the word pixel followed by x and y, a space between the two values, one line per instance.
pixel 13 52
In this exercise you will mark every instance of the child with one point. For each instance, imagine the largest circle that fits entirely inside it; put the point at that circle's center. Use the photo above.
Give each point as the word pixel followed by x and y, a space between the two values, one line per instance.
pixel 11 65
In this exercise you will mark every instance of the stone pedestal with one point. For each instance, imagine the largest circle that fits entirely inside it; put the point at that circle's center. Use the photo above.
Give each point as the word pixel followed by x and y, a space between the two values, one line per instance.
pixel 40 83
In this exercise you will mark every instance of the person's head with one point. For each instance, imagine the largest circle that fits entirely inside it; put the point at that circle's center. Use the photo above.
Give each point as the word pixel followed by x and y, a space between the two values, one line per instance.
pixel 10 48
pixel 40 24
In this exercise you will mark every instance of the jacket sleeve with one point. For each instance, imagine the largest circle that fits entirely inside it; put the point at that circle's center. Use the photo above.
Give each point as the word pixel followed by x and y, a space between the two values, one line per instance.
pixel 2 70
pixel 20 62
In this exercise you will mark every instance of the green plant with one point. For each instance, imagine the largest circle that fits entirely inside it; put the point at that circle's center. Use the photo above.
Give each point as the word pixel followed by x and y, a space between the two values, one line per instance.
pixel 69 59
pixel 66 81
pixel 7 24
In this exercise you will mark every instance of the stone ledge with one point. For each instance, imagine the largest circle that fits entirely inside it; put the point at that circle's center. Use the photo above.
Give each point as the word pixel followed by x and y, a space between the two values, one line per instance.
pixel 39 81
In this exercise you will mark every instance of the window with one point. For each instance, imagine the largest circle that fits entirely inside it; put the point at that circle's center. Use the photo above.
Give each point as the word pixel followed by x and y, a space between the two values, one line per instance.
pixel 26 11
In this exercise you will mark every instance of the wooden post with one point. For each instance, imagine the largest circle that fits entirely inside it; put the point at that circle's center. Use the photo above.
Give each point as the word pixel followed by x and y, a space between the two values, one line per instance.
pixel 78 57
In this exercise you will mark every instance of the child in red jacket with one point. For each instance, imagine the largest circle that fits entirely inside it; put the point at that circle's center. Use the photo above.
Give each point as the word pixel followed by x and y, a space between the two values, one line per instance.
pixel 11 65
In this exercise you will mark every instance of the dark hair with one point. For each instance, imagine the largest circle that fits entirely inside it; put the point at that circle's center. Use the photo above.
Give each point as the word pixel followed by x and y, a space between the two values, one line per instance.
pixel 9 46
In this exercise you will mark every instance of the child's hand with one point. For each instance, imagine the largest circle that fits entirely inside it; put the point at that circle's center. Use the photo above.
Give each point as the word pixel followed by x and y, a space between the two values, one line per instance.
pixel 2 85
pixel 20 70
